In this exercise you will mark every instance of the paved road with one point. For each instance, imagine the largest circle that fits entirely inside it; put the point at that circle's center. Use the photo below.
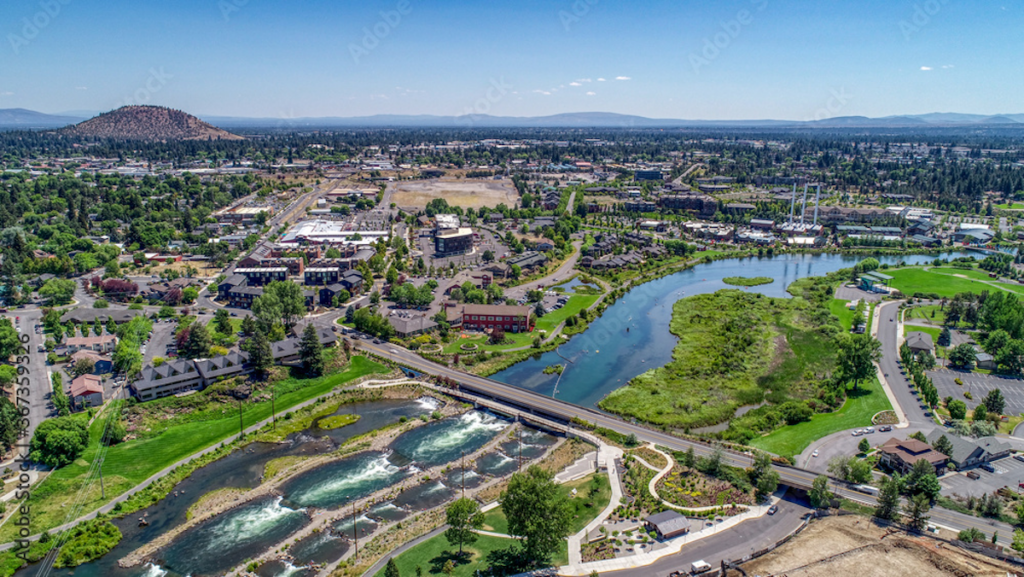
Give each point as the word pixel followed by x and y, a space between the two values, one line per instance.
pixel 733 544
pixel 37 394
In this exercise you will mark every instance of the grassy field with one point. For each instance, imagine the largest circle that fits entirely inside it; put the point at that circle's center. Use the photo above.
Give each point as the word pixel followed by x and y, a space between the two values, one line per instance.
pixel 930 313
pixel 431 555
pixel 857 412
pixel 941 281
pixel 1014 206
pixel 587 504
pixel 129 463
pixel 842 312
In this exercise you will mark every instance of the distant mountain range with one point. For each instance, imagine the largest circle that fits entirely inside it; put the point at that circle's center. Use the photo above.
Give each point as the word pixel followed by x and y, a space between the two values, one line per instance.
pixel 21 118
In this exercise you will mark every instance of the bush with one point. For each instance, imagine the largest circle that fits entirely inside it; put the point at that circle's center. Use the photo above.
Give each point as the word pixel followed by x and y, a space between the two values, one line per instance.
pixel 100 304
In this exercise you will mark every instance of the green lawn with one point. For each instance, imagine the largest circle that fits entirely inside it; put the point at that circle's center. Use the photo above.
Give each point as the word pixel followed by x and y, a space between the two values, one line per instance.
pixel 914 280
pixel 128 464
pixel 1014 206
pixel 942 282
pixel 585 505
pixel 845 315
pixel 930 313
pixel 516 340
pixel 431 555
pixel 857 412
pixel 576 303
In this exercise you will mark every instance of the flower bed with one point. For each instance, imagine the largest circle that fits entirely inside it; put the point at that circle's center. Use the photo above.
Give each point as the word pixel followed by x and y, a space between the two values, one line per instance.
pixel 686 487
pixel 885 418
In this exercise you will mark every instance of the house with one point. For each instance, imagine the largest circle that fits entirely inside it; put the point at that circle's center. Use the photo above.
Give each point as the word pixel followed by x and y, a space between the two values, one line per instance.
pixel 969 453
pixel 900 455
pixel 86 391
pixel 241 297
pixel 233 281
pixel 101 364
pixel 511 319
pixel 328 293
pixel 527 260
pixel 974 237
pixel 170 378
pixel 407 324
pixel 920 342
pixel 545 245
pixel 222 367
pixel 668 524
pixel 100 344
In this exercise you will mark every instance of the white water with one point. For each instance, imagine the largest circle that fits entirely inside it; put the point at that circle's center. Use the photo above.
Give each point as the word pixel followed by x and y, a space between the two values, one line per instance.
pixel 290 570
pixel 468 426
pixel 389 506
pixel 345 527
pixel 504 458
pixel 251 524
pixel 377 470
pixel 438 486
pixel 154 571
pixel 428 403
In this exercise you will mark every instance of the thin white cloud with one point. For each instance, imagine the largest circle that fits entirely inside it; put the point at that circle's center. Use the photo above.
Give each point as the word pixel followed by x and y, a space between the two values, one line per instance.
pixel 623 78
pixel 575 84
pixel 584 80
pixel 591 94
pixel 600 79
pixel 81 88
pixel 544 92
pixel 7 93
pixel 926 68
pixel 947 66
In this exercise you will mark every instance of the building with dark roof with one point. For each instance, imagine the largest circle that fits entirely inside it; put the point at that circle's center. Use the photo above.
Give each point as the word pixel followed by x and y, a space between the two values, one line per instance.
pixel 969 453
pixel 668 524
pixel 222 367
pixel 900 455
pixel 170 378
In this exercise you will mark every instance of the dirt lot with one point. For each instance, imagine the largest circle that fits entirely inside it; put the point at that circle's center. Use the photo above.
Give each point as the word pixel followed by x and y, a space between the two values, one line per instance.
pixel 471 193
pixel 854 545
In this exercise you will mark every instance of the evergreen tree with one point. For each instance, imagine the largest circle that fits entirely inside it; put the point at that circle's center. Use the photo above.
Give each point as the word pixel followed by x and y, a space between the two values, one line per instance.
pixel 260 356
pixel 311 351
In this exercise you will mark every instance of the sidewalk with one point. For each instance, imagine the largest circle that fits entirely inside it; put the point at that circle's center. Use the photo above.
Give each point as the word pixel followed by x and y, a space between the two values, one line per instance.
pixel 606 457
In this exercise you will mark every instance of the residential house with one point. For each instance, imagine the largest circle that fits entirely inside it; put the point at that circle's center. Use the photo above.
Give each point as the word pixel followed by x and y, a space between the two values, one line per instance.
pixel 920 342
pixel 101 364
pixel 100 344
pixel 86 391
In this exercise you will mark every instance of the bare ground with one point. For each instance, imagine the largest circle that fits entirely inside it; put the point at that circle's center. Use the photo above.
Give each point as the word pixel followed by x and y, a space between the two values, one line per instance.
pixel 470 193
pixel 853 545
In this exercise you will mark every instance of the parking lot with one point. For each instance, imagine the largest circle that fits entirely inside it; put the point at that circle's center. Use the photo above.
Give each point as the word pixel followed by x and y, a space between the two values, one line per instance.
pixel 979 385
pixel 487 242
pixel 163 335
pixel 1009 472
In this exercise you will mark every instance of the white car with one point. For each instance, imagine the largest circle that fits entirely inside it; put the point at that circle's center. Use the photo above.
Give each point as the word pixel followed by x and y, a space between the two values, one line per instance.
pixel 869 430
pixel 815 454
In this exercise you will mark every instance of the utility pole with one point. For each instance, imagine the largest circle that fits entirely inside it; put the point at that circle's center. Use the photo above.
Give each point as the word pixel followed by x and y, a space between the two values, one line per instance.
pixel 520 448
pixel 241 428
pixel 463 474
pixel 273 409
pixel 103 492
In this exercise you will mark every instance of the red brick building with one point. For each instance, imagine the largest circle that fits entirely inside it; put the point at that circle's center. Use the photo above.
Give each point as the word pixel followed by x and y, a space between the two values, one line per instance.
pixel 482 317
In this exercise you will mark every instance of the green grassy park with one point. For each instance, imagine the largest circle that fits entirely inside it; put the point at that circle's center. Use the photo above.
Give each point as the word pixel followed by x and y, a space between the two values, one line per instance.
pixel 586 504
pixel 941 281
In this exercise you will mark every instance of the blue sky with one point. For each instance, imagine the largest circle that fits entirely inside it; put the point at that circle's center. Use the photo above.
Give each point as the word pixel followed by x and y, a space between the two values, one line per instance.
pixel 742 59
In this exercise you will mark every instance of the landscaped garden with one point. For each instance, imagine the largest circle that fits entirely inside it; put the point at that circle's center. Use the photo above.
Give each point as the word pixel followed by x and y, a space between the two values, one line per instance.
pixel 688 487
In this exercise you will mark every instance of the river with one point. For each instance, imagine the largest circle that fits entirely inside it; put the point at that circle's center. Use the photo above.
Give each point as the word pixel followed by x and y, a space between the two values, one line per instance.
pixel 607 356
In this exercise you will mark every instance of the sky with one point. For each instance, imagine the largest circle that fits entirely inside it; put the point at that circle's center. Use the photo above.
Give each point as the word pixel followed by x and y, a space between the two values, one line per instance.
pixel 681 59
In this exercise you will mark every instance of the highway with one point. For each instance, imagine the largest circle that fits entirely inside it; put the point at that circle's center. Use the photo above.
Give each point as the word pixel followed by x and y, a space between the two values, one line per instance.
pixel 540 404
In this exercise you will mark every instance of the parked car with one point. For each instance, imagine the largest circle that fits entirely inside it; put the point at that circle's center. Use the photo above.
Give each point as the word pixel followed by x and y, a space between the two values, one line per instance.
pixel 1019 458
pixel 773 509
pixel 988 467
pixel 973 475
pixel 885 428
